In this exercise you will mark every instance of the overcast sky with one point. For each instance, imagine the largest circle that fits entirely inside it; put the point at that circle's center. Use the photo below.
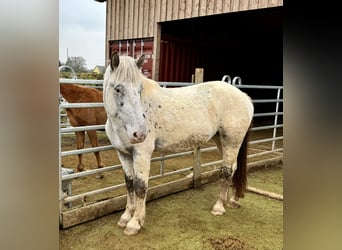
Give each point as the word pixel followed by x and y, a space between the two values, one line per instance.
pixel 82 31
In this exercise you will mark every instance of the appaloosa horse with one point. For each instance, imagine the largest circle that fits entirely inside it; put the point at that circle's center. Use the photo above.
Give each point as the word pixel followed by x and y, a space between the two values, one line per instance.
pixel 75 93
pixel 143 117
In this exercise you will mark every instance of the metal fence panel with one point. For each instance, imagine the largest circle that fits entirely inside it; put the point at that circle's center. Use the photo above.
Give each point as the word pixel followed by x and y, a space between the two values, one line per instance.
pixel 273 152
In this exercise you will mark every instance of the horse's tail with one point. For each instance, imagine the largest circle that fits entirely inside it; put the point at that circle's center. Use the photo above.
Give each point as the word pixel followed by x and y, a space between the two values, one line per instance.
pixel 240 174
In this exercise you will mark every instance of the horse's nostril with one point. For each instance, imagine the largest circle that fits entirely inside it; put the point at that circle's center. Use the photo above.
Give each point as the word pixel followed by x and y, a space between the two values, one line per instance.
pixel 138 137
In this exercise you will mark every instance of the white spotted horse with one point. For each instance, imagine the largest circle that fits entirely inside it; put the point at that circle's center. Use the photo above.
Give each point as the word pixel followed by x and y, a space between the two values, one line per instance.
pixel 143 117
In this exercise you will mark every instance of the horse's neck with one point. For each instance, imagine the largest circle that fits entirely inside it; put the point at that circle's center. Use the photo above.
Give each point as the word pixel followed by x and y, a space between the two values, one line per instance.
pixel 70 92
pixel 150 87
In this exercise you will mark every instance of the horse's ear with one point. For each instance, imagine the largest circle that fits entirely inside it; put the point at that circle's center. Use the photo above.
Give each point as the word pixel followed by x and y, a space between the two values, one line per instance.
pixel 114 60
pixel 140 61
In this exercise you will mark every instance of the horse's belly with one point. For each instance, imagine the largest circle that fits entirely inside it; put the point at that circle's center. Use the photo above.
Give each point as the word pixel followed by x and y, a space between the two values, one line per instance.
pixel 180 144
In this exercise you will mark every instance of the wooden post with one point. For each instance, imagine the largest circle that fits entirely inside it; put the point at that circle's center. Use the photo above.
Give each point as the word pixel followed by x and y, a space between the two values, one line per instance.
pixel 197 167
pixel 156 52
pixel 199 75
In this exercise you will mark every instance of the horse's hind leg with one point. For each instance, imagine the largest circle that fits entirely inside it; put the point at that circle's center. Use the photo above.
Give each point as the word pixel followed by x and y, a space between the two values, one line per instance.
pixel 94 143
pixel 218 208
pixel 229 155
pixel 80 145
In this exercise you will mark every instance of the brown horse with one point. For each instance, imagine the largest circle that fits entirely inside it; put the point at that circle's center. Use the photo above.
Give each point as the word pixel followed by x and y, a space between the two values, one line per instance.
pixel 74 93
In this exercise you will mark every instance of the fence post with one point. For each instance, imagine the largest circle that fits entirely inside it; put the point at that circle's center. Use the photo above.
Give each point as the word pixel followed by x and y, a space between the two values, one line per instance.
pixel 199 75
pixel 197 167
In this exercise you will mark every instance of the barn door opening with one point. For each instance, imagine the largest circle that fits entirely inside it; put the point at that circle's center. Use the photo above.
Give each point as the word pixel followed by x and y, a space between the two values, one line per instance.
pixel 246 43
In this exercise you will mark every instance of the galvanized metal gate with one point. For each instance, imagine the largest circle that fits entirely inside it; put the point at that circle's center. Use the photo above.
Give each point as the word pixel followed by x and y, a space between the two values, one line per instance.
pixel 268 150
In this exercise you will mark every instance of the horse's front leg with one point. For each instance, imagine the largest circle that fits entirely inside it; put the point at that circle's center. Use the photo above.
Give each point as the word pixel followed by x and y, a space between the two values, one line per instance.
pixel 140 185
pixel 127 165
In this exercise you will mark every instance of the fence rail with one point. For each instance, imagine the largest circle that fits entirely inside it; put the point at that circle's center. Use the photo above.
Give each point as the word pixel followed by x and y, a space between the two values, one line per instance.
pixel 272 153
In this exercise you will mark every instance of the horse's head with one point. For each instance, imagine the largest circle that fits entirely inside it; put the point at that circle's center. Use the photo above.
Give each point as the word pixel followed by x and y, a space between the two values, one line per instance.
pixel 123 85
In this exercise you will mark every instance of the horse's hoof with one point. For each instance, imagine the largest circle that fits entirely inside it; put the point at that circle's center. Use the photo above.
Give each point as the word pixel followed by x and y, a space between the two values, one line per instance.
pixel 80 168
pixel 233 204
pixel 99 176
pixel 131 231
pixel 215 212
pixel 122 223
pixel 218 209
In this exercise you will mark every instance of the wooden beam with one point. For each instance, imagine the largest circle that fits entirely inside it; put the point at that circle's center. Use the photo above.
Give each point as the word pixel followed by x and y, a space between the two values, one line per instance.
pixel 156 52
pixel 98 209
pixel 265 193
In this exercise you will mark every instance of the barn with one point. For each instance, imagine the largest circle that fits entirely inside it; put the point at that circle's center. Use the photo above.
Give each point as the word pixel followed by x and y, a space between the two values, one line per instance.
pixel 235 37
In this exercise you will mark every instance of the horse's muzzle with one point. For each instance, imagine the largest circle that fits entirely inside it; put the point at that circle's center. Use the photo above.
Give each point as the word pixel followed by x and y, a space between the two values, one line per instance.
pixel 138 137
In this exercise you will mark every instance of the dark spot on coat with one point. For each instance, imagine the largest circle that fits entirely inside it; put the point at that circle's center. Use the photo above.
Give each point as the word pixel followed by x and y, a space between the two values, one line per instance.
pixel 155 124
pixel 140 187
pixel 226 172
pixel 159 106
pixel 129 183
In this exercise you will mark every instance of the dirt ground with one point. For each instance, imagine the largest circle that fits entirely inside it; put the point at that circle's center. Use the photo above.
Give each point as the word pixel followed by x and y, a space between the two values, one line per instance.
pixel 183 221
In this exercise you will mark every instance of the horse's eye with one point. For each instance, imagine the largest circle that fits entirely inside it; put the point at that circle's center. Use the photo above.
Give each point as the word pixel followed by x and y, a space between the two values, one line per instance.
pixel 118 89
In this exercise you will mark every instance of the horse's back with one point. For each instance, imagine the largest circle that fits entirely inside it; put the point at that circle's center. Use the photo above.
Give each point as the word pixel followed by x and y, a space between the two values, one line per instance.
pixel 228 97
pixel 75 93
pixel 223 88
pixel 209 99
pixel 233 106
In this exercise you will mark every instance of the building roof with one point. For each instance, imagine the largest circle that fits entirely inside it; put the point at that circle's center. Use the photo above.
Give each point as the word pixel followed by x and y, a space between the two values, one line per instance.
pixel 101 68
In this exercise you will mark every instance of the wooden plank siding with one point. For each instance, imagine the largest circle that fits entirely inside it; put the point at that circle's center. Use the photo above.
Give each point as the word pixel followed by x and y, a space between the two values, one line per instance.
pixel 136 19
pixel 130 19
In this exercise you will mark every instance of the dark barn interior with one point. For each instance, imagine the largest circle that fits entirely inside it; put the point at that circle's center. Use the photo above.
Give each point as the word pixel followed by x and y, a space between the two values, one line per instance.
pixel 246 44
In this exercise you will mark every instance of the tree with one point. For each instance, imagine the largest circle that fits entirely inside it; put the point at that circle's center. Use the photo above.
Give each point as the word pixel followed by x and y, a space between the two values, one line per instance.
pixel 78 63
